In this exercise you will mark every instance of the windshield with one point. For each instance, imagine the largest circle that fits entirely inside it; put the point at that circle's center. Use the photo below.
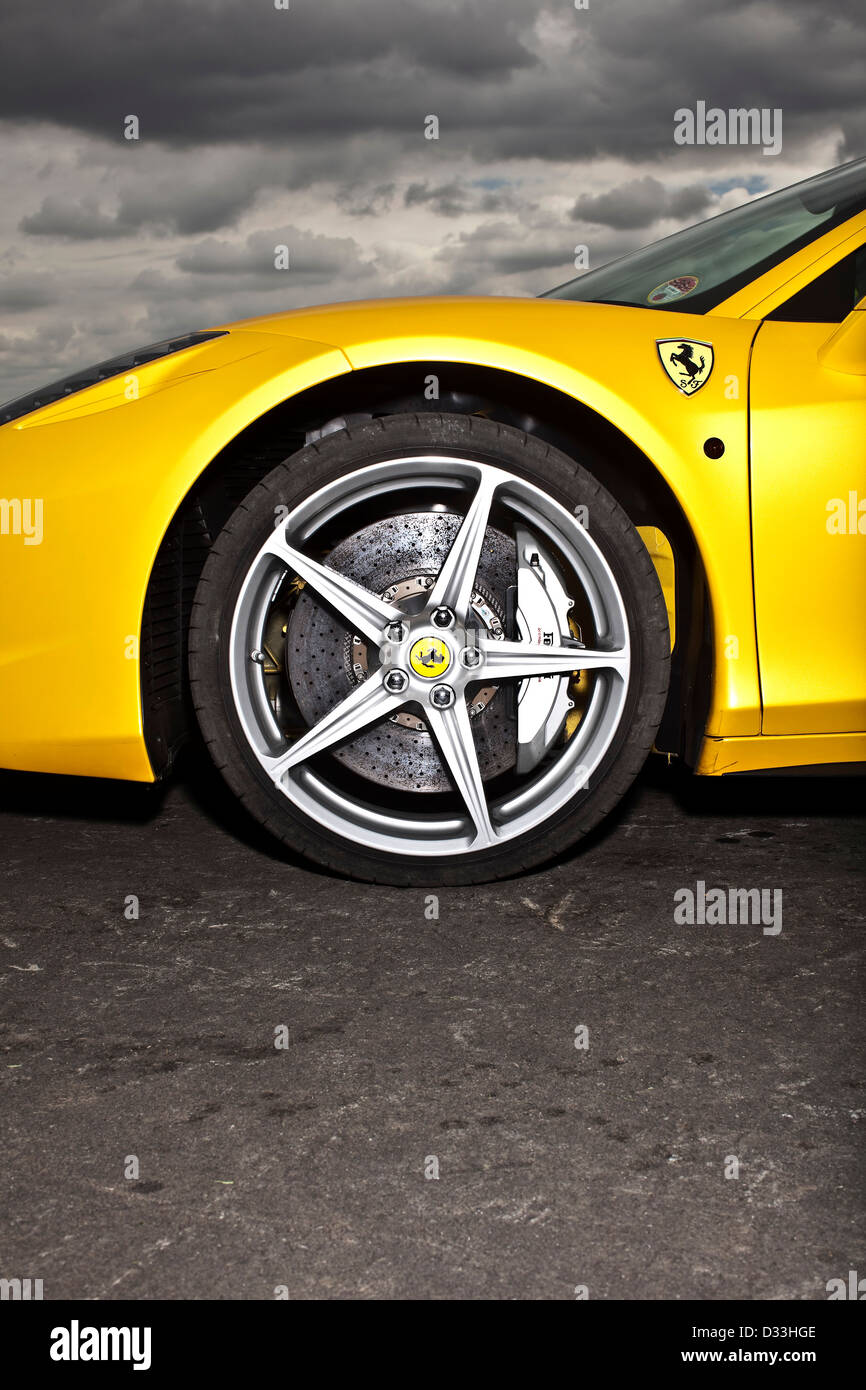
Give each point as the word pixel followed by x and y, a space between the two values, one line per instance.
pixel 696 269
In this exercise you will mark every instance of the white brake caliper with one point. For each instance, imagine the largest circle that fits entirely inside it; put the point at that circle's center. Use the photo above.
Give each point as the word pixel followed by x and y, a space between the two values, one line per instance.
pixel 542 619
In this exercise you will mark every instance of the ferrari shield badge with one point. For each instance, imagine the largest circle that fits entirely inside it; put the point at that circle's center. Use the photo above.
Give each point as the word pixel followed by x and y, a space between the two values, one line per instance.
pixel 687 363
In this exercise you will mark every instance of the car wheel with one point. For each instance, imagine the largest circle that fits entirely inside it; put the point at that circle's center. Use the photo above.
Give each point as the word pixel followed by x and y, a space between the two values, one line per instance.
pixel 431 649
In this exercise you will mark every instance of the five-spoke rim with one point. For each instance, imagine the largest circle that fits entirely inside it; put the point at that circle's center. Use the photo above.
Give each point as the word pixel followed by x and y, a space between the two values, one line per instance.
pixel 428 659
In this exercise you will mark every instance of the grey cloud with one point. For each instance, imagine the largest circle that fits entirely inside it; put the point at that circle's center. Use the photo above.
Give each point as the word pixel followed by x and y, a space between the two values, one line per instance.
pixel 453 199
pixel 448 200
pixel 170 203
pixel 502 248
pixel 77 221
pixel 28 360
pixel 19 293
pixel 359 201
pixel 311 257
pixel 639 203
pixel 498 200
pixel 169 196
pixel 216 195
pixel 168 207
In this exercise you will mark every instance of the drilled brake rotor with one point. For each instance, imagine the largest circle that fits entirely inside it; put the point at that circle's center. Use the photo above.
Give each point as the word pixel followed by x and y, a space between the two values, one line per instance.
pixel 398 558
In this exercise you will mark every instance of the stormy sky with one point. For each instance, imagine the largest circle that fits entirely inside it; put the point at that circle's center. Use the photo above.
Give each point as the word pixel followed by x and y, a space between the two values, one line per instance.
pixel 305 126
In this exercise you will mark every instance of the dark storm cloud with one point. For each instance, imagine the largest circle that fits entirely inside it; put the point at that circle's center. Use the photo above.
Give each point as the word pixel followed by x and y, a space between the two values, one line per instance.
pixel 639 203
pixel 229 68
pixel 601 81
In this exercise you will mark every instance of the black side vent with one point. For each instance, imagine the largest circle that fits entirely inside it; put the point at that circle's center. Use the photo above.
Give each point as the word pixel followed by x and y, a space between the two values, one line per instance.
pixel 91 376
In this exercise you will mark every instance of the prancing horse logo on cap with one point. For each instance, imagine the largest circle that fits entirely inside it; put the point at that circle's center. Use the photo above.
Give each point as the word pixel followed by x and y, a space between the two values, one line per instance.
pixel 429 657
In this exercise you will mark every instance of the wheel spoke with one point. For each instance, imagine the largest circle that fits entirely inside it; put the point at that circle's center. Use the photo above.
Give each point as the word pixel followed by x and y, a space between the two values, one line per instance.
pixel 456 581
pixel 453 732
pixel 362 611
pixel 368 702
pixel 502 660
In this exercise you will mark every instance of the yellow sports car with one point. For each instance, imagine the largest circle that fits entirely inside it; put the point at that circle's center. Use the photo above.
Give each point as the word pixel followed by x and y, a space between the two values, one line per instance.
pixel 434 575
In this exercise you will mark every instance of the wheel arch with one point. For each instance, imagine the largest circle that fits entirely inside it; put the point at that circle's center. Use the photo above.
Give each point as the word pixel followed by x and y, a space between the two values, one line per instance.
pixel 570 425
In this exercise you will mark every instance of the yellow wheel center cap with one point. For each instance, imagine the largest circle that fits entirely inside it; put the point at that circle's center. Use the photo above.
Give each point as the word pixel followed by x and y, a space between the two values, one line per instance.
pixel 429 657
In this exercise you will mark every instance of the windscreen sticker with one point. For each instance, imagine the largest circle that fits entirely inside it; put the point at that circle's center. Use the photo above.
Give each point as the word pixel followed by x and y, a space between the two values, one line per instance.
pixel 673 289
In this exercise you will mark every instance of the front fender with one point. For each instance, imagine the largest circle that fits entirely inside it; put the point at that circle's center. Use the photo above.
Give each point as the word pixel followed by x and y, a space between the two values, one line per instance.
pixel 605 357
pixel 109 468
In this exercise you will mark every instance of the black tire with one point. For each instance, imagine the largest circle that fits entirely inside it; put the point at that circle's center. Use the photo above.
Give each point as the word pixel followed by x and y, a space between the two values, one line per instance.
pixel 323 462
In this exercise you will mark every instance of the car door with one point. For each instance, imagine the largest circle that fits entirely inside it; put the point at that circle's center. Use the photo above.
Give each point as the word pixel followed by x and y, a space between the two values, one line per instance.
pixel 808 484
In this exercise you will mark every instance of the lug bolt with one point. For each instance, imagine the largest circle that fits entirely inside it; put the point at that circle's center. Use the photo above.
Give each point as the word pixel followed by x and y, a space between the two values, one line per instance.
pixel 396 632
pixel 396 682
pixel 442 696
pixel 443 617
pixel 471 656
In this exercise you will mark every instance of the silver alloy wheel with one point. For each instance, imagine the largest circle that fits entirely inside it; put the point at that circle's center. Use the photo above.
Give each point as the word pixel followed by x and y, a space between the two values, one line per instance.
pixel 483 823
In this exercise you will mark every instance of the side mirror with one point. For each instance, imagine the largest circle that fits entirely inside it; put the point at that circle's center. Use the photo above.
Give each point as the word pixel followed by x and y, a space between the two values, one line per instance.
pixel 845 349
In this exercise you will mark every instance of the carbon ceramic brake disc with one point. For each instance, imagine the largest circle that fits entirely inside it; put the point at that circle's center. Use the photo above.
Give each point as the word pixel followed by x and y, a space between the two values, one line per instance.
pixel 398 558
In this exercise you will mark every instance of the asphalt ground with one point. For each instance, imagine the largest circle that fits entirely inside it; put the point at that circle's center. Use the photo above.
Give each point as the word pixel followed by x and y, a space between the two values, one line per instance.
pixel 552 1086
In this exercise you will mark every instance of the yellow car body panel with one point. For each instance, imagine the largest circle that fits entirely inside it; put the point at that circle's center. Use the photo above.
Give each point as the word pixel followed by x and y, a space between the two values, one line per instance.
pixel 114 463
pixel 111 472
pixel 810 546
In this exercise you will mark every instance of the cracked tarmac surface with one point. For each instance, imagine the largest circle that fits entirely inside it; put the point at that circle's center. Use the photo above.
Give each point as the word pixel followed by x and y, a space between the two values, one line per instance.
pixel 411 1039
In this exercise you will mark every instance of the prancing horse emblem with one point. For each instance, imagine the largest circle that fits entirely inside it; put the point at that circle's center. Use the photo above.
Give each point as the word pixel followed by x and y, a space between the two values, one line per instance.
pixel 687 362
